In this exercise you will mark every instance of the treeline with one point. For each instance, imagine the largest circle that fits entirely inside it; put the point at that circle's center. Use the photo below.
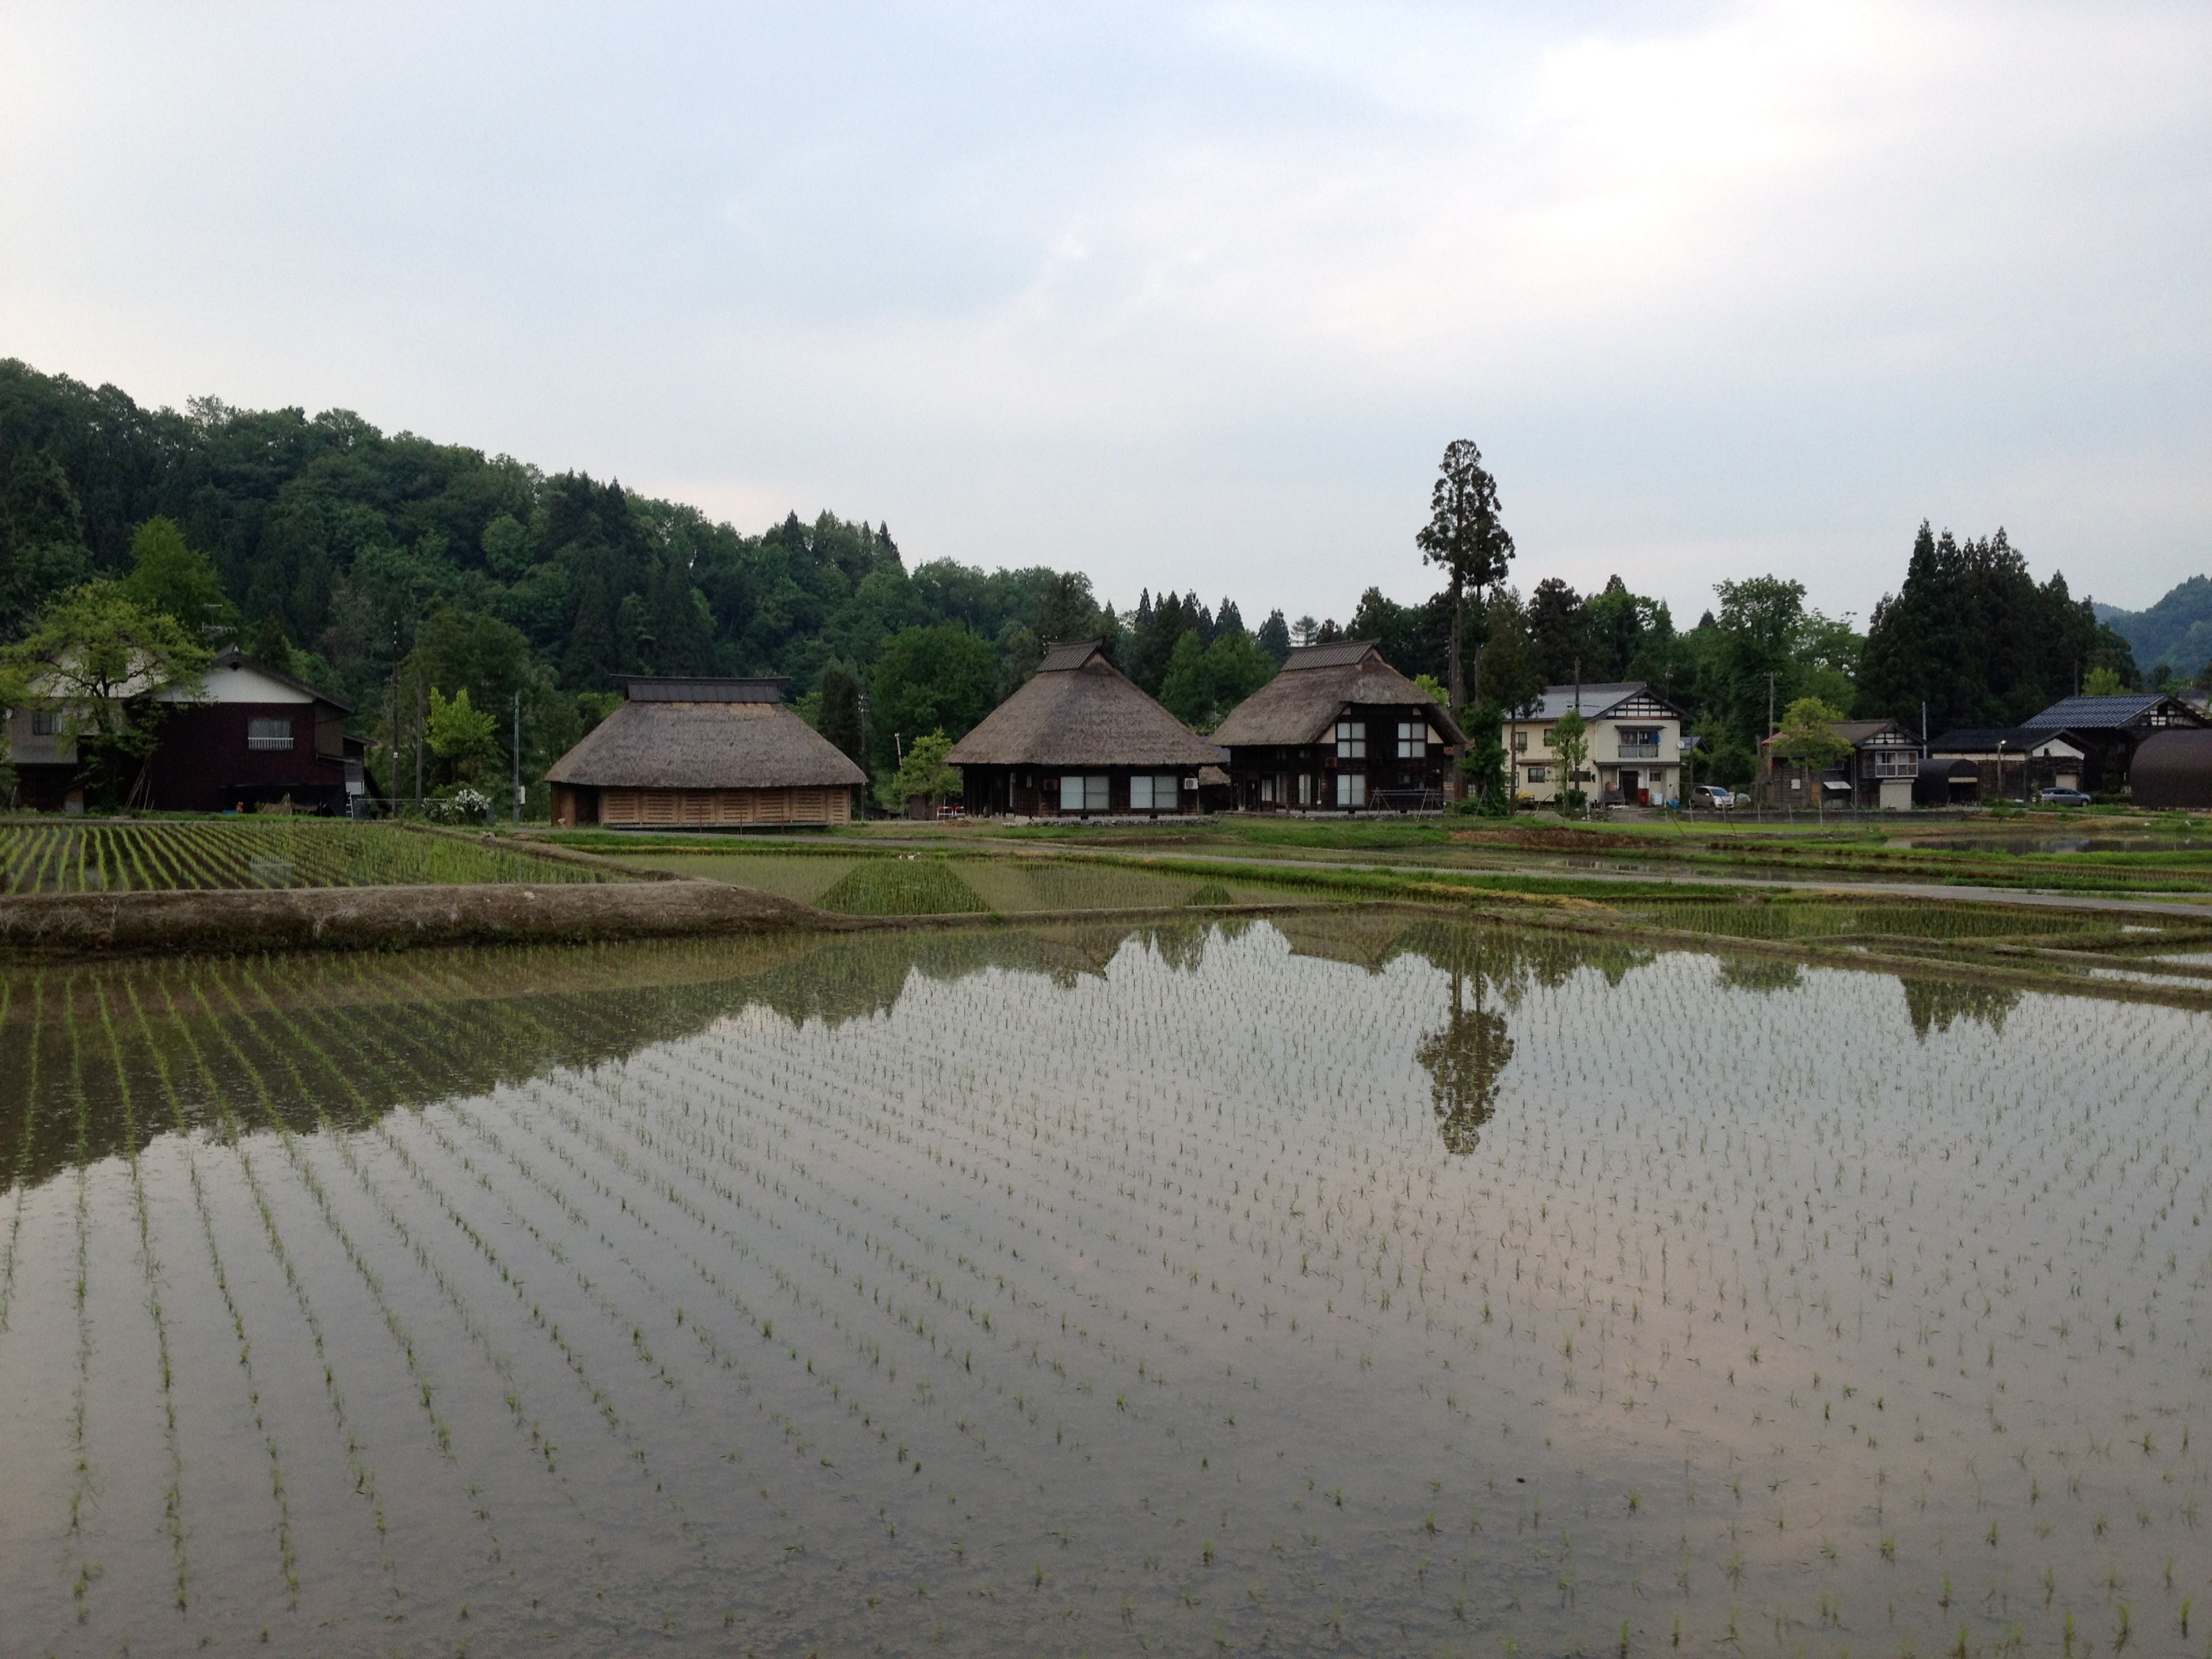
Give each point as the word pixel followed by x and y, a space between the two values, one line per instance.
pixel 382 566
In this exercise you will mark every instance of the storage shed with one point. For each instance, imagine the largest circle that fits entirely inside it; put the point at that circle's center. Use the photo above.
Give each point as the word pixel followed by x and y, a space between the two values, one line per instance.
pixel 1080 739
pixel 2173 769
pixel 703 754
pixel 1947 783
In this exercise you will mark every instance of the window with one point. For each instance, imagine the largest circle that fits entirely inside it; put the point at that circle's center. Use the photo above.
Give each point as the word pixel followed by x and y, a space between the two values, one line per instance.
pixel 1413 739
pixel 1520 743
pixel 1305 789
pixel 1266 792
pixel 268 734
pixel 45 722
pixel 1153 792
pixel 1539 774
pixel 1351 789
pixel 1351 740
pixel 1085 794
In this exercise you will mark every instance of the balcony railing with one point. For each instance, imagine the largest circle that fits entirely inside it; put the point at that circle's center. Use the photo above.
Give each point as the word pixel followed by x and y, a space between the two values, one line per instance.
pixel 1893 766
pixel 1639 751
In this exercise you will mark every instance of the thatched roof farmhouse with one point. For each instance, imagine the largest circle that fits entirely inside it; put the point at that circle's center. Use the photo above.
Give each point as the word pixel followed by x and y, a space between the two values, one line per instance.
pixel 1081 738
pixel 720 753
pixel 1339 729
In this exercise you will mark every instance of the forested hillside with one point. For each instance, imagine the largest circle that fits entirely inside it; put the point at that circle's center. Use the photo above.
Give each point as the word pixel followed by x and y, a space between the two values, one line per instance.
pixel 384 566
pixel 2175 635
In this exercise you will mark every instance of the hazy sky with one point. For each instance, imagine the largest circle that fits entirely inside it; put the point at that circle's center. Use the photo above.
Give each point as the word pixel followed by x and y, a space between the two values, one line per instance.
pixel 1183 295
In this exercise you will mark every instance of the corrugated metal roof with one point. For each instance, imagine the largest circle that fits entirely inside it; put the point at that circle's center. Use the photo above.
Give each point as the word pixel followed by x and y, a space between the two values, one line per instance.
pixel 1338 653
pixel 2105 714
pixel 691 688
pixel 1065 656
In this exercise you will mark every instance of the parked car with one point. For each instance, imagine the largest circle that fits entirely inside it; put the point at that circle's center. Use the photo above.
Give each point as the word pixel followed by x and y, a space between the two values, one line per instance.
pixel 1712 795
pixel 2058 797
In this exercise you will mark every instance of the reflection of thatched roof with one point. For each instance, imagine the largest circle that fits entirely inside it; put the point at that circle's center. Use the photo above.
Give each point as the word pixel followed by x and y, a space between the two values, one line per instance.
pixel 1298 705
pixel 1077 710
pixel 718 745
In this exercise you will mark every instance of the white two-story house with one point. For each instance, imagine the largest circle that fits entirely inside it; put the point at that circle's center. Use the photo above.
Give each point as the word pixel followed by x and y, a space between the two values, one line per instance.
pixel 1634 738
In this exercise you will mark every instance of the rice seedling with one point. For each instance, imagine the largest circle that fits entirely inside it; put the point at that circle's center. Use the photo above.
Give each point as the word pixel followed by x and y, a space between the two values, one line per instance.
pixel 746 1287
pixel 154 855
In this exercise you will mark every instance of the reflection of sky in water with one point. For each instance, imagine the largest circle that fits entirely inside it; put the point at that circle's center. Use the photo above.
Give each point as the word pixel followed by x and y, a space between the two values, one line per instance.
pixel 1360 1280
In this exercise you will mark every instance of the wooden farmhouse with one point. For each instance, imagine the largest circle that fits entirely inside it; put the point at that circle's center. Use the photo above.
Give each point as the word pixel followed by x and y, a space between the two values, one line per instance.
pixel 1340 730
pixel 2111 729
pixel 244 736
pixel 723 754
pixel 1876 774
pixel 1080 740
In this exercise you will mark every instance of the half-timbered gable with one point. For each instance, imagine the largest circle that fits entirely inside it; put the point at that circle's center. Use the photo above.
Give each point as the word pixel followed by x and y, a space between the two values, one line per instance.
pixel 1339 729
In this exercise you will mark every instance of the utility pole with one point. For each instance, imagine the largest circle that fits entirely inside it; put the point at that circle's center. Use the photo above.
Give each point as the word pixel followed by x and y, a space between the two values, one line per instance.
pixel 393 777
pixel 422 715
pixel 516 808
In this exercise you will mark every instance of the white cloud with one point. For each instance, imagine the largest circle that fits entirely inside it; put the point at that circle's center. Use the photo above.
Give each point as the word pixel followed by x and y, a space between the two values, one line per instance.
pixel 1192 297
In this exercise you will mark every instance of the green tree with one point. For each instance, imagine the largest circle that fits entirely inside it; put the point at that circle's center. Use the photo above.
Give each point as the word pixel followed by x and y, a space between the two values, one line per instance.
pixel 928 679
pixel 924 772
pixel 2103 681
pixel 841 713
pixel 102 661
pixel 1808 739
pixel 459 734
pixel 1465 536
pixel 1570 742
pixel 176 580
pixel 1487 790
pixel 1971 635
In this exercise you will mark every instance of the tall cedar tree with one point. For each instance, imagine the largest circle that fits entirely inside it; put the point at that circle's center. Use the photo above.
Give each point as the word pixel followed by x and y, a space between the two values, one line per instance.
pixel 1465 536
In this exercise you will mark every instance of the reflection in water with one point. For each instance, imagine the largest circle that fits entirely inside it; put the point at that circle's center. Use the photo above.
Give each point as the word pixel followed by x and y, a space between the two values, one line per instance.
pixel 1465 1060
pixel 1760 973
pixel 1938 1002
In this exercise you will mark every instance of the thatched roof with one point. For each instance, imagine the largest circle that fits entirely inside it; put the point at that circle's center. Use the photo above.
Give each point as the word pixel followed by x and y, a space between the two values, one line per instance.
pixel 729 737
pixel 1077 710
pixel 1298 705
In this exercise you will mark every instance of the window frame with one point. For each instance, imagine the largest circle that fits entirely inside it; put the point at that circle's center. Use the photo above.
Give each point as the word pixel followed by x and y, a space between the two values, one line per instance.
pixel 1351 740
pixel 261 739
pixel 1351 791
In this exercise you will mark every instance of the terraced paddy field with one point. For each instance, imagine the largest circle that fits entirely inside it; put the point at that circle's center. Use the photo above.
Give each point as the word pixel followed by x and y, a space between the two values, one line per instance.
pixel 884 1293
pixel 212 854
pixel 913 884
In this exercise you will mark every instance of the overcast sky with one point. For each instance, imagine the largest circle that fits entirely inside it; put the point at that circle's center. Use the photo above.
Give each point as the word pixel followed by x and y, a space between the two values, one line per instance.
pixel 1183 295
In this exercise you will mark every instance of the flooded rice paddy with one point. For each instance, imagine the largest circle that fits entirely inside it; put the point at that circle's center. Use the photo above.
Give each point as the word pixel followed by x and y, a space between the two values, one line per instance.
pixel 1347 1284
pixel 910 885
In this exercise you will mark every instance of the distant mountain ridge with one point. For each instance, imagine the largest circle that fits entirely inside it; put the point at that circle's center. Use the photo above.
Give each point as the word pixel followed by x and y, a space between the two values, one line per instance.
pixel 2176 631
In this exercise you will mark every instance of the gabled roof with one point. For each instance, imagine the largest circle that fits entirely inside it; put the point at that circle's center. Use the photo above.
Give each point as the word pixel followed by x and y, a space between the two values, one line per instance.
pixel 2111 714
pixel 1598 702
pixel 1079 710
pixel 1858 733
pixel 1337 653
pixel 711 743
pixel 231 656
pixel 1299 704
pixel 2016 739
